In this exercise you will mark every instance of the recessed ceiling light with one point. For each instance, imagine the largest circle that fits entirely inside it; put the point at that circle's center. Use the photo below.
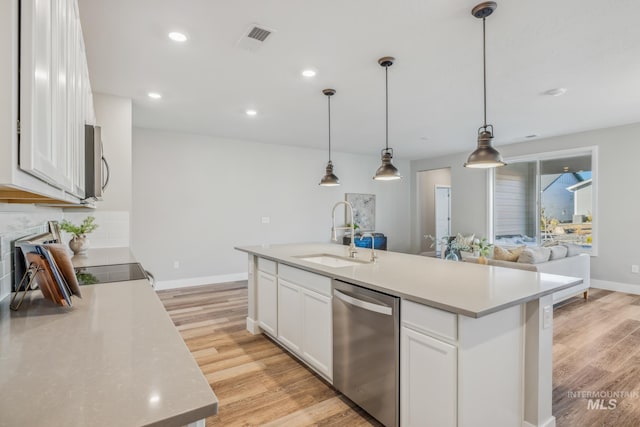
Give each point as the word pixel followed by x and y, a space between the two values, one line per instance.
pixel 533 135
pixel 309 73
pixel 154 95
pixel 178 37
pixel 559 91
pixel 251 112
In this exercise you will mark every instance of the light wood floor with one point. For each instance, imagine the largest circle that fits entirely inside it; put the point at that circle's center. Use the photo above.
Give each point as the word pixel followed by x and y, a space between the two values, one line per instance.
pixel 256 382
pixel 596 349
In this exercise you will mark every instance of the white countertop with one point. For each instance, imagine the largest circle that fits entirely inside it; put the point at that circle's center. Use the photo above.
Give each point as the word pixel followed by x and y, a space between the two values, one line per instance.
pixel 472 290
pixel 114 358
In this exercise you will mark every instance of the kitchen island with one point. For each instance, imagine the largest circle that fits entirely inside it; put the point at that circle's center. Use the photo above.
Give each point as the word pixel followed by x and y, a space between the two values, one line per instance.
pixel 475 340
pixel 114 358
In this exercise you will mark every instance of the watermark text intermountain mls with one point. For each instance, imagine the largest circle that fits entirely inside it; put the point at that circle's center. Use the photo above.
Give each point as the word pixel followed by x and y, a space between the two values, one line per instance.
pixel 602 399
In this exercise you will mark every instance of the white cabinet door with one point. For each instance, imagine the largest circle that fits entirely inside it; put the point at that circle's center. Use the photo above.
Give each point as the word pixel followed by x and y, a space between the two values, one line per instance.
pixel 317 342
pixel 290 315
pixel 268 303
pixel 428 381
pixel 38 154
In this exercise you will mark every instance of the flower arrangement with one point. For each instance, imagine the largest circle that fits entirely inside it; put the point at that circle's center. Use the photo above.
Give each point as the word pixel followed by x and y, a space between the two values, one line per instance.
pixel 482 246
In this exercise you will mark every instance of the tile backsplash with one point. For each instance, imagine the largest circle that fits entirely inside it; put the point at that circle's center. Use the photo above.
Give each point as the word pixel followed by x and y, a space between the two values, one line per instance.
pixel 17 221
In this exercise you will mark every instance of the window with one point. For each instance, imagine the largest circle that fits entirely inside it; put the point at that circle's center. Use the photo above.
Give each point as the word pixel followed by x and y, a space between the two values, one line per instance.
pixel 546 198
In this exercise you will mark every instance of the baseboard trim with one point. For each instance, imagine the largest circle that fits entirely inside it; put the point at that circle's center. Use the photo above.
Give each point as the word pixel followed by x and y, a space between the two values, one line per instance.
pixel 551 422
pixel 162 285
pixel 252 326
pixel 616 286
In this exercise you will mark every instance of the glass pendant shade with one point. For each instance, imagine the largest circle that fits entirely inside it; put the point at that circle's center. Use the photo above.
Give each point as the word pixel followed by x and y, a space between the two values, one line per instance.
pixel 386 171
pixel 485 156
pixel 329 179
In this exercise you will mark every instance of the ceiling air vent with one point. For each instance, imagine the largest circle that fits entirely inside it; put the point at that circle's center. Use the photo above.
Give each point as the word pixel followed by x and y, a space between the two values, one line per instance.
pixel 254 37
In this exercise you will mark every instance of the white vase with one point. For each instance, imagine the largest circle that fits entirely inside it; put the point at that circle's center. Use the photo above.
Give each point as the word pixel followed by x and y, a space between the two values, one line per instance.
pixel 79 245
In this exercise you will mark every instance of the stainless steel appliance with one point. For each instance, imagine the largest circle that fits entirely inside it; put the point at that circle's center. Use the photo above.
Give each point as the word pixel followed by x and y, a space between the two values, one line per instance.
pixel 110 273
pixel 366 350
pixel 96 165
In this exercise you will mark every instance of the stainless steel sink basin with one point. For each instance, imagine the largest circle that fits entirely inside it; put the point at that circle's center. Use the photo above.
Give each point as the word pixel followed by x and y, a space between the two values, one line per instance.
pixel 329 260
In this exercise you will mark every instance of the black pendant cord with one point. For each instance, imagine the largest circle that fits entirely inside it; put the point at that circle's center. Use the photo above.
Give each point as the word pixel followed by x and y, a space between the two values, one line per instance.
pixel 484 65
pixel 386 101
pixel 329 104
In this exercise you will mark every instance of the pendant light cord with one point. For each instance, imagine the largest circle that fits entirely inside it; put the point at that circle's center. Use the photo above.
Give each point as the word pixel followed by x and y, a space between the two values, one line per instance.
pixel 484 65
pixel 329 104
pixel 386 101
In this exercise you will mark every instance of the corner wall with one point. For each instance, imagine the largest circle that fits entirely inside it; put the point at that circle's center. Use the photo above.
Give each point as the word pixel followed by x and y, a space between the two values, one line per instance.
pixel 618 197
pixel 196 197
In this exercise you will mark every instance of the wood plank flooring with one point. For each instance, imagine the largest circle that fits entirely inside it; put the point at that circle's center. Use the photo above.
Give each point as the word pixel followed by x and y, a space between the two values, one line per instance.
pixel 256 381
pixel 596 349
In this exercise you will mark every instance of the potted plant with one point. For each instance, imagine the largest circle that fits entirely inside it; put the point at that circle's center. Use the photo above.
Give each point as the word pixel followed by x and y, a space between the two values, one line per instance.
pixel 79 243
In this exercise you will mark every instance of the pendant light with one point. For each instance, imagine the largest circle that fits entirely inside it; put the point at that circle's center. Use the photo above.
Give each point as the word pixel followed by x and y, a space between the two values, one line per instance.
pixel 329 179
pixel 485 156
pixel 386 172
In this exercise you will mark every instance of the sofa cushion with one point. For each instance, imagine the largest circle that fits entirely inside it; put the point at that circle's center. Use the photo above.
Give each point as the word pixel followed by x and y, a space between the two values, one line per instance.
pixel 534 255
pixel 503 254
pixel 573 250
pixel 558 252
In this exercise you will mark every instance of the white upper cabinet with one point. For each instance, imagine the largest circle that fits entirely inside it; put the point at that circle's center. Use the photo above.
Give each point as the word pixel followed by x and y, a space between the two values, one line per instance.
pixel 54 94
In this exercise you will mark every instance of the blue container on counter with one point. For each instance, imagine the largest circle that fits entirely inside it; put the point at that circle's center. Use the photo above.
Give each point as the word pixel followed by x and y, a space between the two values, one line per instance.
pixel 379 241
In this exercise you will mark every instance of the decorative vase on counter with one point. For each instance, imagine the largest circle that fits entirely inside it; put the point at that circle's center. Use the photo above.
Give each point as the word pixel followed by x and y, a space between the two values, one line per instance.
pixel 79 245
pixel 483 260
pixel 451 256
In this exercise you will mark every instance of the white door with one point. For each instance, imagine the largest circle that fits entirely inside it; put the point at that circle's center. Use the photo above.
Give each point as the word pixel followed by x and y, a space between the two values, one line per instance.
pixel 317 344
pixel 428 381
pixel 268 303
pixel 443 211
pixel 290 315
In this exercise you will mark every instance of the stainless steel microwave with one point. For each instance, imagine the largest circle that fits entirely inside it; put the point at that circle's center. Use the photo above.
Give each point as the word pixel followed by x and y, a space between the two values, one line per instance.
pixel 96 165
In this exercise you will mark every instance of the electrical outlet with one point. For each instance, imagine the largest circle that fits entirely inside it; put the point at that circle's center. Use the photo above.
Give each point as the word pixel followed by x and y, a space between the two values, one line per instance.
pixel 635 269
pixel 547 317
pixel 266 220
pixel 176 264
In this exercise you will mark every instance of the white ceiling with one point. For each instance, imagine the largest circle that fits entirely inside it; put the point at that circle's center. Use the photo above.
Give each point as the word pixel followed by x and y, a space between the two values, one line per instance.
pixel 591 47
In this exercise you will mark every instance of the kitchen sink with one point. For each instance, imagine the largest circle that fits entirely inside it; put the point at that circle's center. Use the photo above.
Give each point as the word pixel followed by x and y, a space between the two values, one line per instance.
pixel 329 260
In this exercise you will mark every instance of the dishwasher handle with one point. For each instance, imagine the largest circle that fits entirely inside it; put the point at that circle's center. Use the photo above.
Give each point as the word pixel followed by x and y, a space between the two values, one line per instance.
pixel 382 309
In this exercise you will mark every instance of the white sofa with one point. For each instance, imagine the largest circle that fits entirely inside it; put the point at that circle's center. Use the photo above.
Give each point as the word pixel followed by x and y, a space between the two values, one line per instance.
pixel 574 266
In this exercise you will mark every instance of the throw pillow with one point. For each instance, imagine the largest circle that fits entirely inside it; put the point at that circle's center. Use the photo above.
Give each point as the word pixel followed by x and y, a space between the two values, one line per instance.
pixel 534 255
pixel 503 254
pixel 558 252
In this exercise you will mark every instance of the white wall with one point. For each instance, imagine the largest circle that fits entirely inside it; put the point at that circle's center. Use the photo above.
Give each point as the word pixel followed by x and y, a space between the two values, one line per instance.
pixel 618 195
pixel 196 197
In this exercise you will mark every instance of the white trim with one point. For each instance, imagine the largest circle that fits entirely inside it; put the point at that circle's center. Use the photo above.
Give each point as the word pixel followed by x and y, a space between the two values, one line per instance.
pixel 628 288
pixel 551 422
pixel 199 281
pixel 253 326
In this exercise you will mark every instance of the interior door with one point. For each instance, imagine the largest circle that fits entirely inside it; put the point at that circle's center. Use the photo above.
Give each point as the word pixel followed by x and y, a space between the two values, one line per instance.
pixel 443 211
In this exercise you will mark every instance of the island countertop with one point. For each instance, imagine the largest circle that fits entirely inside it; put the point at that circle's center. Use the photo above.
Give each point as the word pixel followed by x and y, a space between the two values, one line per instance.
pixel 469 289
pixel 114 358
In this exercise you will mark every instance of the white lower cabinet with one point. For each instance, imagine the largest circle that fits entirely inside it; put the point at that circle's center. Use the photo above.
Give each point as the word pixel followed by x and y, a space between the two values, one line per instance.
pixel 317 342
pixel 305 323
pixel 267 302
pixel 290 315
pixel 428 382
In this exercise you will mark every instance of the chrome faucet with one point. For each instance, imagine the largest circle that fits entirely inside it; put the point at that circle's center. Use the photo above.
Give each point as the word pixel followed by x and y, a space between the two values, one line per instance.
pixel 334 235
pixel 372 257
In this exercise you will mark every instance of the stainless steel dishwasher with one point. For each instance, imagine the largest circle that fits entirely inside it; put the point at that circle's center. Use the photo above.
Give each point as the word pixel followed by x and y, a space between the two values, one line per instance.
pixel 366 349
